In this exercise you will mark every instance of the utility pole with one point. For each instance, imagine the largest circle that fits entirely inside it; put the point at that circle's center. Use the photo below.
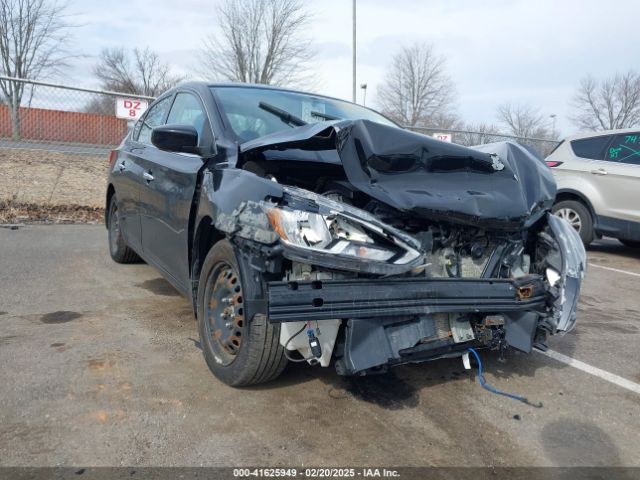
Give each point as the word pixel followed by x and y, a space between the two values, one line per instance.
pixel 354 53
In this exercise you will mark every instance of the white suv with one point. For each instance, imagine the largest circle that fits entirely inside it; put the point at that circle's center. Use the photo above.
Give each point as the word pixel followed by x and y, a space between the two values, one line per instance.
pixel 598 176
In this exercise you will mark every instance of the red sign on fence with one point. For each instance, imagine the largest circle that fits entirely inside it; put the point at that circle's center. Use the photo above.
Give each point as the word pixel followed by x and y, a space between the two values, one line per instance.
pixel 443 137
pixel 130 108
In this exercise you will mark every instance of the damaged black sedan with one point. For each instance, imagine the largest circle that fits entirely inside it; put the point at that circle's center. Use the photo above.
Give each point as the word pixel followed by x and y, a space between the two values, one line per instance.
pixel 309 229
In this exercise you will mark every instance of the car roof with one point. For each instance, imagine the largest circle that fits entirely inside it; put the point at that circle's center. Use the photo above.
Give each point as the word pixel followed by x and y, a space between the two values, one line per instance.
pixel 204 84
pixel 601 133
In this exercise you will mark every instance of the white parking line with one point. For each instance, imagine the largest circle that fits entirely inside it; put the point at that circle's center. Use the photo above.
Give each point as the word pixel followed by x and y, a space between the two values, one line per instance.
pixel 603 374
pixel 614 269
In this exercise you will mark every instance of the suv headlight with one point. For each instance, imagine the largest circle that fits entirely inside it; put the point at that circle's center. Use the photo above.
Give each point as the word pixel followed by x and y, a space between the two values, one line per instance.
pixel 314 224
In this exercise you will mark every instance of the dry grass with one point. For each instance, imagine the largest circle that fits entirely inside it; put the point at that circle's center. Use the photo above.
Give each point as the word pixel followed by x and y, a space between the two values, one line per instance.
pixel 13 213
pixel 51 187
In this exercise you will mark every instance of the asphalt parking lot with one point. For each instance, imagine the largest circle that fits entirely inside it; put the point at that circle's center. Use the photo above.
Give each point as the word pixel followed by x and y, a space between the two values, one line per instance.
pixel 100 366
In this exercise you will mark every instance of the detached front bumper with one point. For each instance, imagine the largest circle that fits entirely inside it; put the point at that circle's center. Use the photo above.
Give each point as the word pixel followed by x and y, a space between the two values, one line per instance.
pixel 572 265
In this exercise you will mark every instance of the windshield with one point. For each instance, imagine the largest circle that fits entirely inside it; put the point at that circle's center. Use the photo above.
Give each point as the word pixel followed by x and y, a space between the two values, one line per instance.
pixel 254 112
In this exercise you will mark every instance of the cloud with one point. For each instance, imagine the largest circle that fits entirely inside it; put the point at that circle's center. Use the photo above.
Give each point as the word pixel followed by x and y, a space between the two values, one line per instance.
pixel 497 50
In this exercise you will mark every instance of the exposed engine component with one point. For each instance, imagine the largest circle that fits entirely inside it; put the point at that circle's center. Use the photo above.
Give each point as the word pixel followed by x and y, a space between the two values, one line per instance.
pixel 316 346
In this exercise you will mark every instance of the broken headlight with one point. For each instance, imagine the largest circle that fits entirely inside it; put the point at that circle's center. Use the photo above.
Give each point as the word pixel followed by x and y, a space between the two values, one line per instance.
pixel 312 223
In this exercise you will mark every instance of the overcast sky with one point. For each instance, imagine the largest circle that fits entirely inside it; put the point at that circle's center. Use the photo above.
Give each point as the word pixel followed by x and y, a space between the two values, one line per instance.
pixel 530 51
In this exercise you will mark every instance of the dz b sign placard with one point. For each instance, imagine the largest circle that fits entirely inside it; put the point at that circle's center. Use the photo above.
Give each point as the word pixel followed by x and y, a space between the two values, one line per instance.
pixel 443 137
pixel 130 108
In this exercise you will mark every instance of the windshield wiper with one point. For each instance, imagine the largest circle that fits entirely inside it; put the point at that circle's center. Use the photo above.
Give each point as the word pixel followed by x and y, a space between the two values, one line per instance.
pixel 326 116
pixel 283 115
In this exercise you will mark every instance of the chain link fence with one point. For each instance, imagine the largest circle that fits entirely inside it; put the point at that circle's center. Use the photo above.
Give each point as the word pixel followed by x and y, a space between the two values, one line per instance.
pixel 59 117
pixel 54 144
pixel 542 146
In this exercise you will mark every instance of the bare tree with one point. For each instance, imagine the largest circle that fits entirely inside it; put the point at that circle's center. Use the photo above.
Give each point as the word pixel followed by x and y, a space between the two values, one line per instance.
pixel 524 121
pixel 138 72
pixel 260 41
pixel 33 39
pixel 532 126
pixel 416 88
pixel 446 121
pixel 608 104
pixel 478 134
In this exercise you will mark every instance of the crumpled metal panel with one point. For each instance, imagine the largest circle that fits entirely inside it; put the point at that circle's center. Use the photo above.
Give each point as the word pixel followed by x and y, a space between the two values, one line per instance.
pixel 247 221
pixel 502 185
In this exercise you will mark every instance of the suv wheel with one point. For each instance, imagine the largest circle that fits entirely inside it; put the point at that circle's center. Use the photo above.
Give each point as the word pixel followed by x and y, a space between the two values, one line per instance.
pixel 578 216
pixel 241 348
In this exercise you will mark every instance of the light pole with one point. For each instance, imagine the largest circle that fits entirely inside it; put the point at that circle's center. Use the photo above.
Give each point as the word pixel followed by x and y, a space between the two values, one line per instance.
pixel 354 53
pixel 553 123
pixel 363 86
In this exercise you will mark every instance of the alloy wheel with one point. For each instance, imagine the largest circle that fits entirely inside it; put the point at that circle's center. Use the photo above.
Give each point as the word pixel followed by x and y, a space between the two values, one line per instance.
pixel 571 217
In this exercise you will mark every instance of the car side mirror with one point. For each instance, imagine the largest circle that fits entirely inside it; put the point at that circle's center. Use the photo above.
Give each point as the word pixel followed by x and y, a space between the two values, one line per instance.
pixel 176 138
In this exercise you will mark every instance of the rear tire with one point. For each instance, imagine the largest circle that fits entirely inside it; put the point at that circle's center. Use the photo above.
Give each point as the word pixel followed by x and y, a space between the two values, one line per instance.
pixel 240 347
pixel 578 216
pixel 630 243
pixel 120 252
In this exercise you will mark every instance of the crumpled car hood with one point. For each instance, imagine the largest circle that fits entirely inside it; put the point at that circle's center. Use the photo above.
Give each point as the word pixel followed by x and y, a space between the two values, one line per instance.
pixel 500 185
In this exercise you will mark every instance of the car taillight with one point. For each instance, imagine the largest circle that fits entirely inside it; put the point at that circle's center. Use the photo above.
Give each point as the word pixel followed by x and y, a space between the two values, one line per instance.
pixel 112 157
pixel 553 163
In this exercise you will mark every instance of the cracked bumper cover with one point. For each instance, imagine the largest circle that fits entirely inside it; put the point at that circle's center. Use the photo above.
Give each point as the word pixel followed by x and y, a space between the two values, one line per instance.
pixel 573 268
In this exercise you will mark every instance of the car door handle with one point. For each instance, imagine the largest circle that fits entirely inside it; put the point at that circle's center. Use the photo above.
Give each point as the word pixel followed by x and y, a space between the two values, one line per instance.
pixel 147 176
pixel 599 171
pixel 122 166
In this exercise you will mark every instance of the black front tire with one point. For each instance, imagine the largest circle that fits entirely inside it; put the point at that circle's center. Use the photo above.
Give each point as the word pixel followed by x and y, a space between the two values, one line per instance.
pixel 578 215
pixel 630 243
pixel 240 347
pixel 118 248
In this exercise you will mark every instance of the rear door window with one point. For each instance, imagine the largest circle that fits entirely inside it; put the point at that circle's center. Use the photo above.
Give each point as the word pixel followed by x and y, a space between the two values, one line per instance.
pixel 591 148
pixel 154 117
pixel 625 148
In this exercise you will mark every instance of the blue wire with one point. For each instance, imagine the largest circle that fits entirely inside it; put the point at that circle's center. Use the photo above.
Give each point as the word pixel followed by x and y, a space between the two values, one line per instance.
pixel 486 386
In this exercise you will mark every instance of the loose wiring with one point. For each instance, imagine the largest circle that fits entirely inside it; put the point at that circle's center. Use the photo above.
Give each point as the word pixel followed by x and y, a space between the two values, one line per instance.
pixel 486 386
pixel 286 353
